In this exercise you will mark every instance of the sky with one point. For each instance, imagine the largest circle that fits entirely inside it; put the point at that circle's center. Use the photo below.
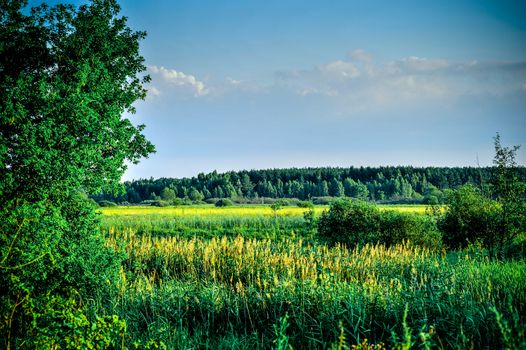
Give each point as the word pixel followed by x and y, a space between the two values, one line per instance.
pixel 242 84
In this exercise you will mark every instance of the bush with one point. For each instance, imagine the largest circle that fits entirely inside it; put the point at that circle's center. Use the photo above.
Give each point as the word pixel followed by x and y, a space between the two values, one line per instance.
pixel 356 222
pixel 224 202
pixel 350 222
pixel 470 217
pixel 305 204
pixel 322 200
pixel 156 203
pixel 105 203
pixel 398 227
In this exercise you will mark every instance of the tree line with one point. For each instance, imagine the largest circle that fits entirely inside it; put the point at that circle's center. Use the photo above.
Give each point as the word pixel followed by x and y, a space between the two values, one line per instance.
pixel 392 183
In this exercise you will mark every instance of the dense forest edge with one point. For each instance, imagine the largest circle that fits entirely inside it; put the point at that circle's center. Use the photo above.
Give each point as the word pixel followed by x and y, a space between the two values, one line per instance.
pixel 392 184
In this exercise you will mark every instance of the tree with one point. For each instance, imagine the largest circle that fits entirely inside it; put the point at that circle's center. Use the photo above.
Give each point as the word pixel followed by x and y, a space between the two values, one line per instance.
pixel 195 195
pixel 67 75
pixel 495 219
pixel 509 192
pixel 336 188
pixel 168 194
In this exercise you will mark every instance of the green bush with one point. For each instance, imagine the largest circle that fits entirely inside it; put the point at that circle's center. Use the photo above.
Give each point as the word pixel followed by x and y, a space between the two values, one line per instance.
pixel 105 203
pixel 350 222
pixel 357 223
pixel 305 204
pixel 398 227
pixel 470 217
pixel 224 202
pixel 63 323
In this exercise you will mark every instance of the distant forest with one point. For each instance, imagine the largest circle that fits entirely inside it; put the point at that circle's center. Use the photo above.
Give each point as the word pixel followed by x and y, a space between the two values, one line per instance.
pixel 382 184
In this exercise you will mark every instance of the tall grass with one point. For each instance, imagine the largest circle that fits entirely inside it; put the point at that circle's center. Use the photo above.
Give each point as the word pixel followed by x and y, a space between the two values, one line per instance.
pixel 235 292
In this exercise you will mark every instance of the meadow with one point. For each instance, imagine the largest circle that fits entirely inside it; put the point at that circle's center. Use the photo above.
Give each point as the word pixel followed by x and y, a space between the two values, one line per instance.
pixel 251 277
pixel 207 221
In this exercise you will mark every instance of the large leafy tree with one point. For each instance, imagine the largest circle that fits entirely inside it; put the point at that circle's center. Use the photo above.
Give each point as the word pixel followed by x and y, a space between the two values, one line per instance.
pixel 67 77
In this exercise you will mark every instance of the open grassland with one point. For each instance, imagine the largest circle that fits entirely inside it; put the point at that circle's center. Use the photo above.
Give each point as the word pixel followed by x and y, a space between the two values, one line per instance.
pixel 206 221
pixel 248 210
pixel 239 293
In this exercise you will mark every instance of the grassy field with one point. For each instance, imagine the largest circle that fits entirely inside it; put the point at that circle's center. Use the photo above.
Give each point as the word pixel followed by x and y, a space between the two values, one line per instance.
pixel 207 221
pixel 249 210
pixel 249 277
pixel 250 293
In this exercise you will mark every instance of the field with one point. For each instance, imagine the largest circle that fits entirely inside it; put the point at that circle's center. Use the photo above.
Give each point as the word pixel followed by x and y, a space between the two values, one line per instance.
pixel 249 210
pixel 249 277
pixel 206 221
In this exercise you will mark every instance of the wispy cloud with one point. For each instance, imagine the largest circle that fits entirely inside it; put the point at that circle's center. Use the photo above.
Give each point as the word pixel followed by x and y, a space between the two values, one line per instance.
pixel 365 84
pixel 172 77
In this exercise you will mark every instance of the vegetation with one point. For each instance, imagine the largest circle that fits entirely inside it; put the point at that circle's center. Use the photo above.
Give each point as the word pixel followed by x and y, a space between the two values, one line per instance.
pixel 289 274
pixel 67 75
pixel 393 184
pixel 234 293
pixel 359 223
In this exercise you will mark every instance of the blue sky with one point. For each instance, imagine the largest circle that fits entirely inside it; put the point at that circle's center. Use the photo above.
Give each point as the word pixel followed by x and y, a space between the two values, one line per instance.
pixel 294 83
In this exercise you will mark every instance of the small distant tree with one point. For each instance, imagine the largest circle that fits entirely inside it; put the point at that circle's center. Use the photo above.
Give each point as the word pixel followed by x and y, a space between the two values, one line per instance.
pixel 168 194
pixel 195 195
pixel 336 188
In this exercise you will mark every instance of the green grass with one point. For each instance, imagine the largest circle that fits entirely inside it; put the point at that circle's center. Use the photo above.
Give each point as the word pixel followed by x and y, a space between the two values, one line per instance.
pixel 248 277
pixel 207 221
pixel 222 291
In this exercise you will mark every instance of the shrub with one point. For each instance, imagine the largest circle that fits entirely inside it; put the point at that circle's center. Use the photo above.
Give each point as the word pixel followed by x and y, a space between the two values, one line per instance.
pixel 305 204
pixel 470 217
pixel 322 200
pixel 350 222
pixel 279 204
pixel 224 202
pixel 356 222
pixel 398 227
pixel 105 203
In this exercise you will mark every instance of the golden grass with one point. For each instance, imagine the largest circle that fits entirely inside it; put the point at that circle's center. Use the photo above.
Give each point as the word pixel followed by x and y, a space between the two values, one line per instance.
pixel 256 210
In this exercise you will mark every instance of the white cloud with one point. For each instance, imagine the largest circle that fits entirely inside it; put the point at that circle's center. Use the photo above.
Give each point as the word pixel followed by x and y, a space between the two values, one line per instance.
pixel 360 55
pixel 154 91
pixel 341 69
pixel 419 64
pixel 176 78
pixel 363 84
pixel 233 81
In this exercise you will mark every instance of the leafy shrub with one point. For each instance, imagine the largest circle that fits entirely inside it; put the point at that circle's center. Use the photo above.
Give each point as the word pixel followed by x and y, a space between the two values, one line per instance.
pixel 279 204
pixel 322 200
pixel 224 202
pixel 396 227
pixel 305 204
pixel 350 222
pixel 470 217
pixel 156 203
pixel 105 203
pixel 64 324
pixel 357 222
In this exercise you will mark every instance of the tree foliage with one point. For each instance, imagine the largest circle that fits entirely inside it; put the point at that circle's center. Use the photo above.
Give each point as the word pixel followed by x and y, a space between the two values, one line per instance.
pixel 494 218
pixel 401 183
pixel 67 75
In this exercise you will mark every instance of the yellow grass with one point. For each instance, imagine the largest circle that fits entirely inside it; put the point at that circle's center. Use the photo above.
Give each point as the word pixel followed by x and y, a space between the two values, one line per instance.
pixel 256 210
